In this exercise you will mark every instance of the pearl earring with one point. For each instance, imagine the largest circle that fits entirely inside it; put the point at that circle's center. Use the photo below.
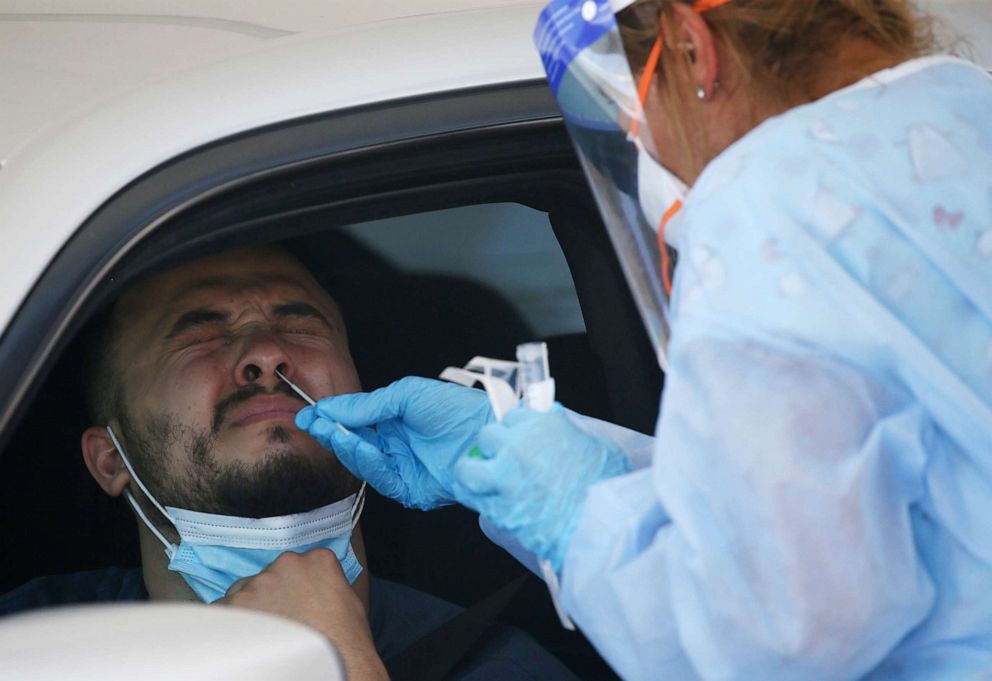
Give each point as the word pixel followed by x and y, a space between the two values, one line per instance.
pixel 701 93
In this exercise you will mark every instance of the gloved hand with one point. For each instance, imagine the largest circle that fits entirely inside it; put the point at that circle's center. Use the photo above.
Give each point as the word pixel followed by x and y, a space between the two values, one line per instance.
pixel 421 428
pixel 533 478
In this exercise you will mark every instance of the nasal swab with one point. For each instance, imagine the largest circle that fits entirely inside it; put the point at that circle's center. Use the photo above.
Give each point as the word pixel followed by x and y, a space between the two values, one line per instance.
pixel 306 398
pixel 297 389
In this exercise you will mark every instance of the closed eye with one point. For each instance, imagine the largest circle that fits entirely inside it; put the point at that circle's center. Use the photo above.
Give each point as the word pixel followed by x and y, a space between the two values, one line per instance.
pixel 299 313
pixel 206 337
pixel 302 318
pixel 195 319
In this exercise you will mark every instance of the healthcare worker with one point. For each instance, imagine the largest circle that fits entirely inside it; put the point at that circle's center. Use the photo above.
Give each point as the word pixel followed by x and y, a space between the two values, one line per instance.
pixel 817 505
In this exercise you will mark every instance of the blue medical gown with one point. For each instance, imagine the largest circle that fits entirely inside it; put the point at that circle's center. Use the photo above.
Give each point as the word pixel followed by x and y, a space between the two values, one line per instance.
pixel 819 503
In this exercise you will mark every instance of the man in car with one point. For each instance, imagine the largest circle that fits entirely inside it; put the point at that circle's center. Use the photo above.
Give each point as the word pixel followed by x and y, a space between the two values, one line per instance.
pixel 196 427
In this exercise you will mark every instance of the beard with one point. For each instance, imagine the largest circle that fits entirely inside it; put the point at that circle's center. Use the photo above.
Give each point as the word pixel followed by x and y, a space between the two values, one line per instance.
pixel 283 481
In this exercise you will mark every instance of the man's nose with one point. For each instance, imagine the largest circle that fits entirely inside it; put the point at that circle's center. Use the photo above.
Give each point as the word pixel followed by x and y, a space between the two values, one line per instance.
pixel 261 356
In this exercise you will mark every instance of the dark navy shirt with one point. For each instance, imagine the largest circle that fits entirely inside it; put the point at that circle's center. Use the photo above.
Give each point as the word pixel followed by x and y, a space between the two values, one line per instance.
pixel 398 616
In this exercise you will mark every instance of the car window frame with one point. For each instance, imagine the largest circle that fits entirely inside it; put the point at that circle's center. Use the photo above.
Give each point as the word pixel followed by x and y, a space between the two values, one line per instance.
pixel 104 253
pixel 62 296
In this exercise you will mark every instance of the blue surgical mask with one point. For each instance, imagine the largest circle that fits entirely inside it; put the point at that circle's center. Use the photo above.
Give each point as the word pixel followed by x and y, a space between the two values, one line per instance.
pixel 215 551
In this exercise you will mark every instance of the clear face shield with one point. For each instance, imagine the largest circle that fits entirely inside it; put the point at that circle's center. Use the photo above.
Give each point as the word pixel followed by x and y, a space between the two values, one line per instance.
pixel 589 74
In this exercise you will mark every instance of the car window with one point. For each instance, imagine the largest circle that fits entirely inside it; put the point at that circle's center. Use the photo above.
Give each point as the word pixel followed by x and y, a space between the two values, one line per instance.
pixel 508 247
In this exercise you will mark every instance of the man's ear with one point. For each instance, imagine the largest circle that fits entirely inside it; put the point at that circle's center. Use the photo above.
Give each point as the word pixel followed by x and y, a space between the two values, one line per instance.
pixel 103 461
pixel 689 33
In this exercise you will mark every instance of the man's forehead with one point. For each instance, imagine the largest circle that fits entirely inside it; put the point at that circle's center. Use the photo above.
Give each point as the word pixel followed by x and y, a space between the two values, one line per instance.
pixel 214 280
pixel 218 286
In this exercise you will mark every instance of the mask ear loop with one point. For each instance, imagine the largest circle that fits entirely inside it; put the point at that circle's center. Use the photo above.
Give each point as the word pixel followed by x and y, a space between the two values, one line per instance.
pixel 170 548
pixel 359 506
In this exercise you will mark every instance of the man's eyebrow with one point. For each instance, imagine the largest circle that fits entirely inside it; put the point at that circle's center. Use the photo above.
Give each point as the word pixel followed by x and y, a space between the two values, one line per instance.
pixel 188 320
pixel 299 309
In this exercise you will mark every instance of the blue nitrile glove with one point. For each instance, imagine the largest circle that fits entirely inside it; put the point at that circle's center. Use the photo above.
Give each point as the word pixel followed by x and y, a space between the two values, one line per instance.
pixel 421 426
pixel 533 477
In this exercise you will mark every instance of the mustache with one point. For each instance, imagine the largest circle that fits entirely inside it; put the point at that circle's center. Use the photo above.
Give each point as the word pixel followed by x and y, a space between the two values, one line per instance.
pixel 242 395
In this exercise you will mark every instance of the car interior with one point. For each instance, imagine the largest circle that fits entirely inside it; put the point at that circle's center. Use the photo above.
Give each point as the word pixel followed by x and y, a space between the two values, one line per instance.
pixel 435 254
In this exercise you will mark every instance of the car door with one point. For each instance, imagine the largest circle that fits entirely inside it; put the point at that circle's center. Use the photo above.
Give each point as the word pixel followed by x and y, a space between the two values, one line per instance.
pixel 477 172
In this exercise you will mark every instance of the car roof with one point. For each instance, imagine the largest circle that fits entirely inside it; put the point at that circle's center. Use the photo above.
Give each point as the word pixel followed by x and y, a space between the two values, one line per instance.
pixel 97 92
pixel 78 54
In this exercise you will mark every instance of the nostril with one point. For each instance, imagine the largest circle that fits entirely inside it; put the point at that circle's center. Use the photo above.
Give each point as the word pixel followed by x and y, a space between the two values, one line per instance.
pixel 283 369
pixel 252 372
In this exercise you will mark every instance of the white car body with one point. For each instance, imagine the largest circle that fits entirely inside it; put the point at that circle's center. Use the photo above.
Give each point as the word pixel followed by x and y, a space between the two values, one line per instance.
pixel 218 644
pixel 96 94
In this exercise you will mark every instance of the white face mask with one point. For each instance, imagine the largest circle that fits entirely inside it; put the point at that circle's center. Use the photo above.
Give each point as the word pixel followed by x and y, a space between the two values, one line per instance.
pixel 658 189
pixel 215 551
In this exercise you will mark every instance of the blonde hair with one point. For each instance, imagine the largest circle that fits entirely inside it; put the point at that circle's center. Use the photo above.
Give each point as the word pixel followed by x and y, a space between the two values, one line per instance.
pixel 786 48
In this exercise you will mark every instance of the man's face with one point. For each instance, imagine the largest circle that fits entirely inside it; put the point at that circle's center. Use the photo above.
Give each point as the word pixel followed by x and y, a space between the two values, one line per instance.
pixel 205 418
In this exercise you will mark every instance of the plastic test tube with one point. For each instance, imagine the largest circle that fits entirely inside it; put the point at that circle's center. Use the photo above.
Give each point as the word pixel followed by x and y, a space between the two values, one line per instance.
pixel 533 360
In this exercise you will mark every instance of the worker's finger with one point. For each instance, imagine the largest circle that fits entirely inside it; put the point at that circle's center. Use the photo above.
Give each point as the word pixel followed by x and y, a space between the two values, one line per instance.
pixel 355 410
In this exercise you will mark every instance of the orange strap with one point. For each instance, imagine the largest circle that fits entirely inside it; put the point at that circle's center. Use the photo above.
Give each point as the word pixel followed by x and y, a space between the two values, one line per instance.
pixel 651 65
pixel 649 69
pixel 666 265
pixel 643 86
pixel 706 5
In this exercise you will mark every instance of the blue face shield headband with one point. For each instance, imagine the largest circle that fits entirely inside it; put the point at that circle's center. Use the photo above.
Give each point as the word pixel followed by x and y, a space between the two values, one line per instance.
pixel 215 551
pixel 582 47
